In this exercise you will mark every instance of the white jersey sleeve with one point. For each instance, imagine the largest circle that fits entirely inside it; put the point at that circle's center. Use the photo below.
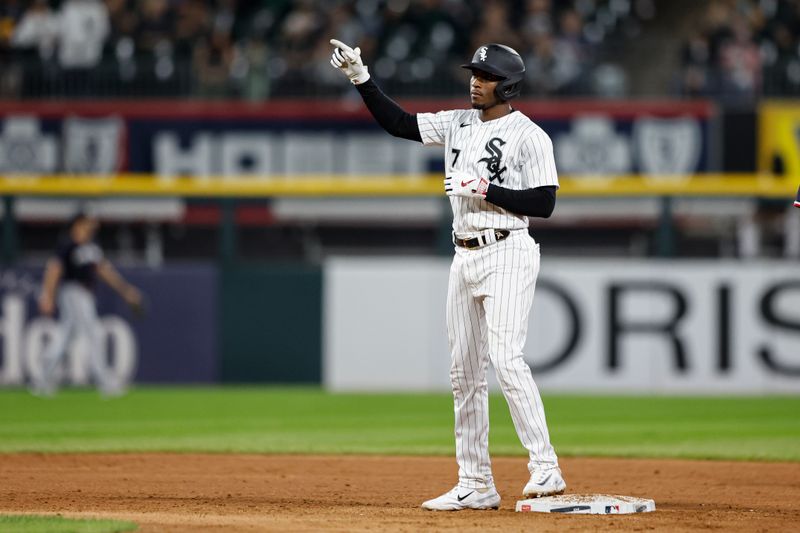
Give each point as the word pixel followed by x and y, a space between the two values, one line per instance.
pixel 538 162
pixel 433 127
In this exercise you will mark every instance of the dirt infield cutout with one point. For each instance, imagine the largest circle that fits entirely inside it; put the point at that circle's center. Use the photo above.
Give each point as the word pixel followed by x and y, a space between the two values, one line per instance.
pixel 177 492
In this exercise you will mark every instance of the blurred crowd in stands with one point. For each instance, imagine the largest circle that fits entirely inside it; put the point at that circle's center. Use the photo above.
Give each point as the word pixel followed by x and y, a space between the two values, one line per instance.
pixel 741 49
pixel 263 48
pixel 259 49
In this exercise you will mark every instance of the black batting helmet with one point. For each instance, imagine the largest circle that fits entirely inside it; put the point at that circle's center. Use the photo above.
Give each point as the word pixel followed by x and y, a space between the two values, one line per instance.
pixel 501 61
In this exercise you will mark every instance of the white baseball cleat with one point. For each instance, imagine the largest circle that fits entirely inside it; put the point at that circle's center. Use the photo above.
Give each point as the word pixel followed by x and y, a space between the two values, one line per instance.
pixel 545 482
pixel 111 388
pixel 43 389
pixel 460 498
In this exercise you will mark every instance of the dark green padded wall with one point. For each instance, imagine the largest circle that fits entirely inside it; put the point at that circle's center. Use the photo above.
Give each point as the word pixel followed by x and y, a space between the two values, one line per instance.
pixel 271 323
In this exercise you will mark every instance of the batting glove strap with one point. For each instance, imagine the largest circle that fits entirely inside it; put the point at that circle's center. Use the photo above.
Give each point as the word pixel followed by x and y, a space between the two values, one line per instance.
pixel 482 187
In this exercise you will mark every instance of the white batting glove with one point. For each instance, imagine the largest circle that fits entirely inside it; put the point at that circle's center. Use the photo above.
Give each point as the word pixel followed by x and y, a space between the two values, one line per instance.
pixel 459 183
pixel 349 61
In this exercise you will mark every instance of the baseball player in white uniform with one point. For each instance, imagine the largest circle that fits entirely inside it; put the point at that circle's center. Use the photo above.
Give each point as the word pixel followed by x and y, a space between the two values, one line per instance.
pixel 500 170
pixel 72 275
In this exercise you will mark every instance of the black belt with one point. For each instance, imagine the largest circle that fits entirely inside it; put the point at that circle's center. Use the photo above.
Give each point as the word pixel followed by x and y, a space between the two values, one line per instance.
pixel 480 241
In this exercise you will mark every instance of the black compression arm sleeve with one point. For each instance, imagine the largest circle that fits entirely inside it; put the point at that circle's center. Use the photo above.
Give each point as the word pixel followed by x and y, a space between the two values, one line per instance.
pixel 387 113
pixel 537 202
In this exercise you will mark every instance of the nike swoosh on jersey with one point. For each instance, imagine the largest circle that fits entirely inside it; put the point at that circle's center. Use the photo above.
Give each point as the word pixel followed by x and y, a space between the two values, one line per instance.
pixel 464 125
pixel 465 183
pixel 461 498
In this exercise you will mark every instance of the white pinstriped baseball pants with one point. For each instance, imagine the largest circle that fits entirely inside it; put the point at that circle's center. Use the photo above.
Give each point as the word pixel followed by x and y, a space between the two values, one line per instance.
pixel 489 299
pixel 78 317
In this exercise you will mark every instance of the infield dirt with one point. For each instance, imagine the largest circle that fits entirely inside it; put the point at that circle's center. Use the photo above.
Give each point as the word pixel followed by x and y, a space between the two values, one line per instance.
pixel 219 492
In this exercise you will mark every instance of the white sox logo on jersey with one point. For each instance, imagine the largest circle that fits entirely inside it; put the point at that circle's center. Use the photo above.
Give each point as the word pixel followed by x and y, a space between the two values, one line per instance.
pixel 518 155
pixel 493 161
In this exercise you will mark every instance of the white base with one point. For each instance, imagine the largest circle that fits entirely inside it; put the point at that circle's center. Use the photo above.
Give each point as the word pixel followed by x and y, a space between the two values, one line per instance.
pixel 586 504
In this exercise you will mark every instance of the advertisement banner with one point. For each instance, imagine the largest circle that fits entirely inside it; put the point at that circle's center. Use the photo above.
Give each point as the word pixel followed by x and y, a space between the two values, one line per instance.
pixel 174 342
pixel 338 137
pixel 694 327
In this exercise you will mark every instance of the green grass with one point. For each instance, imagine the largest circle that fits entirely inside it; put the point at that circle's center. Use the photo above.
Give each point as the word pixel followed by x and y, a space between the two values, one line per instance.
pixel 304 420
pixel 58 524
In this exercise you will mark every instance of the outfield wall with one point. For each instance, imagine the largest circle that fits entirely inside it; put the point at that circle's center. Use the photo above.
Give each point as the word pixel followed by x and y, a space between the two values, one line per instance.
pixel 265 319
pixel 611 326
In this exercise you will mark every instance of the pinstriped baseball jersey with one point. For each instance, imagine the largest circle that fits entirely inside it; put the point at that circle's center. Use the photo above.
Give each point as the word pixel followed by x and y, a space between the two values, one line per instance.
pixel 511 152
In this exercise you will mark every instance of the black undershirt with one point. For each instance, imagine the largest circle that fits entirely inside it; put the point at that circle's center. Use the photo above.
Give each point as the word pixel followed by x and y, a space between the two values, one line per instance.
pixel 387 113
pixel 536 202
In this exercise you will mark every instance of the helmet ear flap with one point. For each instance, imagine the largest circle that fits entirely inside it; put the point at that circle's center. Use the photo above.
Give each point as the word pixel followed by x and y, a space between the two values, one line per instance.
pixel 507 90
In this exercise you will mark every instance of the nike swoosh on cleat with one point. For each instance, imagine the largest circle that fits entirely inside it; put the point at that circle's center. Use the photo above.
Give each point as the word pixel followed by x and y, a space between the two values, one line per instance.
pixel 546 479
pixel 461 498
pixel 465 183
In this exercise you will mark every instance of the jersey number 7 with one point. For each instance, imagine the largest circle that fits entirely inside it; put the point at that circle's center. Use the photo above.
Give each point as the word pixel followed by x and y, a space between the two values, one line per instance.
pixel 456 152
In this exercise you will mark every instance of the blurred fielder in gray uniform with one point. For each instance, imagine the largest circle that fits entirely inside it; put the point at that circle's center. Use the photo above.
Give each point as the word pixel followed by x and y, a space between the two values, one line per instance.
pixel 72 274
